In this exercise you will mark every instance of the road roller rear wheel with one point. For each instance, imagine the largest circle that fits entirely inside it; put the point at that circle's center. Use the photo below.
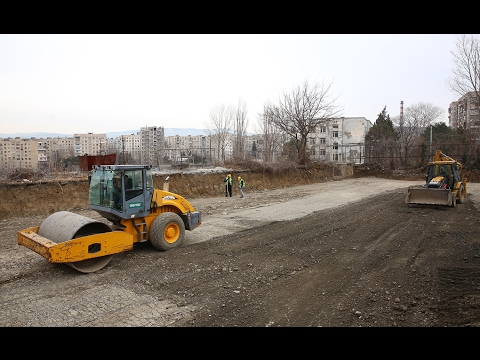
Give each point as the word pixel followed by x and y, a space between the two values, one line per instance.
pixel 167 231
pixel 64 225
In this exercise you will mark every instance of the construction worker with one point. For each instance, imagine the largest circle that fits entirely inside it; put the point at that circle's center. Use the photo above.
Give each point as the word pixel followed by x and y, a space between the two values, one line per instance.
pixel 228 185
pixel 241 185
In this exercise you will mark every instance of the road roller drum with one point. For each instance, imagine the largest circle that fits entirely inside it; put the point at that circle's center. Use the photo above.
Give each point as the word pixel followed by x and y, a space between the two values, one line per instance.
pixel 64 225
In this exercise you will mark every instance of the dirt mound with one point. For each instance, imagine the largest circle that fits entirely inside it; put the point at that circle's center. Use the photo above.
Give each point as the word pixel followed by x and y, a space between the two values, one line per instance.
pixel 44 197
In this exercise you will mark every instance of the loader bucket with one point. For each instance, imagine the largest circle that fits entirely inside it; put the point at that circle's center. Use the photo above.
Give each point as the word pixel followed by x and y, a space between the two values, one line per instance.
pixel 429 196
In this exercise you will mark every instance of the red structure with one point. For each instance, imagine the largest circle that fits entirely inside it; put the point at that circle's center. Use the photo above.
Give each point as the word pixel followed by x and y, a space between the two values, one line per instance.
pixel 87 162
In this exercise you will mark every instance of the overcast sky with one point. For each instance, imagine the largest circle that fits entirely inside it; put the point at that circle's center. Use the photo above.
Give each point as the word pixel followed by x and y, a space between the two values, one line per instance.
pixel 72 83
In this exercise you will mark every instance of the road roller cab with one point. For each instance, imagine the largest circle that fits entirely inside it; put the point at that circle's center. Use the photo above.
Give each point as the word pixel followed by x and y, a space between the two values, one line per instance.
pixel 121 191
pixel 125 196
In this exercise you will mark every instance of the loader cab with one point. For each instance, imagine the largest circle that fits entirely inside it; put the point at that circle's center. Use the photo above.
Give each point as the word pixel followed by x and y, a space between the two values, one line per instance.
pixel 121 191
pixel 446 170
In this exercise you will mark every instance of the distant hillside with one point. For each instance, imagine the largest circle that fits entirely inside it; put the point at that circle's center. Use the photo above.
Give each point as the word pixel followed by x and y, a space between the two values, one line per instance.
pixel 168 132
pixel 36 135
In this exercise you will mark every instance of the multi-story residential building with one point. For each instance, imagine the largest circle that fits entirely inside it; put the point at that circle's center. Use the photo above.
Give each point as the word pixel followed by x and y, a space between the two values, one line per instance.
pixel 60 146
pixel 197 146
pixel 43 159
pixel 51 150
pixel 340 139
pixel 254 146
pixel 465 112
pixel 264 147
pixel 18 153
pixel 196 149
pixel 152 142
pixel 90 144
pixel 128 148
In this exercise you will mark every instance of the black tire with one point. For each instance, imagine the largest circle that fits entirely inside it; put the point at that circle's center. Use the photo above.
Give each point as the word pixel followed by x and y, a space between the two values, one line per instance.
pixel 167 231
pixel 461 195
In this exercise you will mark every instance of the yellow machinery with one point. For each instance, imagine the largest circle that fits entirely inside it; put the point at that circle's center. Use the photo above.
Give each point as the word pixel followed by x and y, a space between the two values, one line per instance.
pixel 123 194
pixel 444 184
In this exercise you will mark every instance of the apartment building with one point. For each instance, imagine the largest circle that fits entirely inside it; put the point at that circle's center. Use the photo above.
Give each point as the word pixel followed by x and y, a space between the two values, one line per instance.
pixel 51 150
pixel 152 142
pixel 264 147
pixel 127 147
pixel 340 139
pixel 465 112
pixel 18 153
pixel 90 144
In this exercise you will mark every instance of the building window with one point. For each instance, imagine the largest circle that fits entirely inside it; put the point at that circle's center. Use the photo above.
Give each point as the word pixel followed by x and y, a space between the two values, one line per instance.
pixel 335 134
pixel 322 141
pixel 335 157
pixel 323 129
pixel 335 146
pixel 322 151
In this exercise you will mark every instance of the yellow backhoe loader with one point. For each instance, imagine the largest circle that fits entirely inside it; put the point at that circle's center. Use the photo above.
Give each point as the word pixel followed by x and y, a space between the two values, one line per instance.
pixel 444 184
pixel 123 194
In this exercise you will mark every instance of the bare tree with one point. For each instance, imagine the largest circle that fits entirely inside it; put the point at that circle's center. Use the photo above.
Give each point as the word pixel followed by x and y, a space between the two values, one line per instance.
pixel 222 119
pixel 410 128
pixel 299 112
pixel 240 129
pixel 467 65
pixel 271 142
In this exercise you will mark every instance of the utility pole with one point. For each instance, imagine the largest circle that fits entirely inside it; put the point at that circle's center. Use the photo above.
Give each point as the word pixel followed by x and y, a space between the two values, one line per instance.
pixel 123 150
pixel 431 154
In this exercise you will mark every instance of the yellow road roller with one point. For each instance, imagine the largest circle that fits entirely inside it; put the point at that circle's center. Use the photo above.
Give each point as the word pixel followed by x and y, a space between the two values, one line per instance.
pixel 123 194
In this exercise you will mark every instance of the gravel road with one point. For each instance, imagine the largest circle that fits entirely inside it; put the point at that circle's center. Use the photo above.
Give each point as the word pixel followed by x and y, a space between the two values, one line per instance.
pixel 340 253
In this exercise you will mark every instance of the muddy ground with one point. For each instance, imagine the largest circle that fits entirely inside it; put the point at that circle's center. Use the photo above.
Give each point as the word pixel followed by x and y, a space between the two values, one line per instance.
pixel 342 253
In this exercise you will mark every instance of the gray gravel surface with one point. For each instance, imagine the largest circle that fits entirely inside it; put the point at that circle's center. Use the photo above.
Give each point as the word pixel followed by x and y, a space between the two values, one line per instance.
pixel 328 254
